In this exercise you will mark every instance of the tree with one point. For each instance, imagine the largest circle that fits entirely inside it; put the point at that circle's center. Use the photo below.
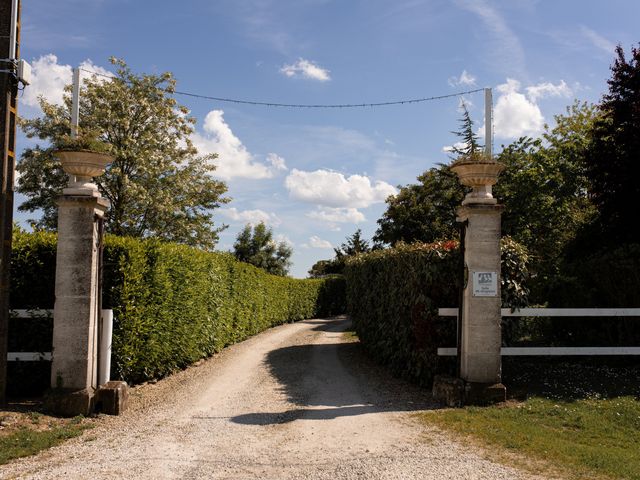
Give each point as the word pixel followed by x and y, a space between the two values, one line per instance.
pixel 158 186
pixel 422 212
pixel 613 158
pixel 469 140
pixel 544 190
pixel 322 268
pixel 354 245
pixel 257 247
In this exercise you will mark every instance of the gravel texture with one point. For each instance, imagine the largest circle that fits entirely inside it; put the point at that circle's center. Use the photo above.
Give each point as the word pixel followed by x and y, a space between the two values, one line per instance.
pixel 297 401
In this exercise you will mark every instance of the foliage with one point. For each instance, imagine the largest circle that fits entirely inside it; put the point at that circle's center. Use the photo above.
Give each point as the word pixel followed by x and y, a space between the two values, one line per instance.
pixel 514 273
pixel 88 141
pixel 354 245
pixel 393 296
pixel 157 184
pixel 322 268
pixel 174 304
pixel 472 150
pixel 543 189
pixel 257 247
pixel 423 212
pixel 612 158
pixel 586 438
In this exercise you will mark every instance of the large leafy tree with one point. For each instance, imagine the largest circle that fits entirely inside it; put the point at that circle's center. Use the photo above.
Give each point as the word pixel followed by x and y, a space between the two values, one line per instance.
pixel 613 158
pixel 424 211
pixel 255 245
pixel 158 186
pixel 544 190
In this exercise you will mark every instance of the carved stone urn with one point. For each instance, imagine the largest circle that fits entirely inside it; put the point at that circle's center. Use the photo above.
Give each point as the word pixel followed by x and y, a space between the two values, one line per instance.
pixel 83 165
pixel 480 174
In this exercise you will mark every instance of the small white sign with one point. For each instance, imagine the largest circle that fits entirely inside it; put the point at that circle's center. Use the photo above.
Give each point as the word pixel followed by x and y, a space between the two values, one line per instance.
pixel 485 284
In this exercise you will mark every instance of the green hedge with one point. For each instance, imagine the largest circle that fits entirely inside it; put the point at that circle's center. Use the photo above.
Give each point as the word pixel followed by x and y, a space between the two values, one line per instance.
pixel 393 297
pixel 174 304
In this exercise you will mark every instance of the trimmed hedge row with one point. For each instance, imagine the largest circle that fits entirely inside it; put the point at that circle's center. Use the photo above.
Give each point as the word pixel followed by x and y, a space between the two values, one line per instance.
pixel 174 304
pixel 393 297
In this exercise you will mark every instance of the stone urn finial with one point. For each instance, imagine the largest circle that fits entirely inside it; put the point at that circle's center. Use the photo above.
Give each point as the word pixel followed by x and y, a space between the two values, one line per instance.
pixel 82 165
pixel 480 172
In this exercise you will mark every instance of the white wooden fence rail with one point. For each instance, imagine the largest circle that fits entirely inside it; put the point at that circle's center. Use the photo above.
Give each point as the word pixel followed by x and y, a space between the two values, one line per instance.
pixel 29 356
pixel 555 312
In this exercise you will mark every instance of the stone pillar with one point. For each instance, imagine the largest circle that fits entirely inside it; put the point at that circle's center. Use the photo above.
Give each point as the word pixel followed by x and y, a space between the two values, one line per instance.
pixel 75 317
pixel 481 335
pixel 481 319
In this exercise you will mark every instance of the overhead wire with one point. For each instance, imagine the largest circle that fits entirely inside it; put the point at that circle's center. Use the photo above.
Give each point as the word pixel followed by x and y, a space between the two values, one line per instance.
pixel 306 105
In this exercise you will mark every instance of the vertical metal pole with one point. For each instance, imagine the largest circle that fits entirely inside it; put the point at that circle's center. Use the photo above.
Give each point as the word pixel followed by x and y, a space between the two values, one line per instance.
pixel 75 103
pixel 488 121
pixel 13 33
pixel 9 44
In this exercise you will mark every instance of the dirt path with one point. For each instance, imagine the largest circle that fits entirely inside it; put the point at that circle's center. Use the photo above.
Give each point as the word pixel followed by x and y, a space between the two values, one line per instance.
pixel 297 401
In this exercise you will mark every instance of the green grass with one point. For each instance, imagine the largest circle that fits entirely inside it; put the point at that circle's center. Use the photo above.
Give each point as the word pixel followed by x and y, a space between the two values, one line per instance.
pixel 27 441
pixel 584 438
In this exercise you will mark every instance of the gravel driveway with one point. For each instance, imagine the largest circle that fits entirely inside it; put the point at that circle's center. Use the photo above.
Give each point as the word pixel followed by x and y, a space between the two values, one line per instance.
pixel 297 401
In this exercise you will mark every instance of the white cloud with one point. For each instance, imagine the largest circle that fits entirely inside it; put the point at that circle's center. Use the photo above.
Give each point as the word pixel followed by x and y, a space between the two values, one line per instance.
pixel 48 79
pixel 317 242
pixel 458 145
pixel 597 40
pixel 234 160
pixel 465 80
pixel 337 215
pixel 333 189
pixel 306 69
pixel 516 113
pixel 548 89
pixel 277 162
pixel 281 238
pixel 252 217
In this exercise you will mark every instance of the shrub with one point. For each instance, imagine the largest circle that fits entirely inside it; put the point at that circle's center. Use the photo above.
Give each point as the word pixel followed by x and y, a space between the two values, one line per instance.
pixel 174 304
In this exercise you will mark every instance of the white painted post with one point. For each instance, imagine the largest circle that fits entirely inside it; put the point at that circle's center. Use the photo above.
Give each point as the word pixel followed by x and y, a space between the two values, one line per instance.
pixel 106 334
pixel 13 32
pixel 75 111
pixel 75 103
pixel 488 122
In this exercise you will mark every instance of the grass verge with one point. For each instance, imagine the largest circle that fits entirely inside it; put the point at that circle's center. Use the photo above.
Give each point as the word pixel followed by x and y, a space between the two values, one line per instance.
pixel 585 438
pixel 24 434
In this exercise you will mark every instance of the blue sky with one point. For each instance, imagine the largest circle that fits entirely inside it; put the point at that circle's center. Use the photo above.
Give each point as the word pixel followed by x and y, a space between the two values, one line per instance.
pixel 315 175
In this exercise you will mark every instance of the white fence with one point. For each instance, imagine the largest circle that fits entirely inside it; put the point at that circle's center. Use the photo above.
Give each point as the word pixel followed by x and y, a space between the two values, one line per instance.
pixel 29 356
pixel 106 324
pixel 555 312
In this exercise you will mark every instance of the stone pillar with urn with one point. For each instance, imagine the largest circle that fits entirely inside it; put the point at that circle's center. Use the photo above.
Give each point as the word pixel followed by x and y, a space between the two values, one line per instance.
pixel 77 307
pixel 481 339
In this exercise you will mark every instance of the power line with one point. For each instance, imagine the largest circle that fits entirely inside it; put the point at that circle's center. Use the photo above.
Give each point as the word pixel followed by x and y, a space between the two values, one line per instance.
pixel 303 105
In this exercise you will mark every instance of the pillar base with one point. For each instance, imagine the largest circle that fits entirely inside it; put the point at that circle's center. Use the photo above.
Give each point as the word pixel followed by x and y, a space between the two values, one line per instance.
pixel 112 398
pixel 70 403
pixel 455 392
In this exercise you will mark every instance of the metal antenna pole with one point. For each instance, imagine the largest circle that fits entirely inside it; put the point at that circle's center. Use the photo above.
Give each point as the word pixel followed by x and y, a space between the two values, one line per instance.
pixel 75 103
pixel 9 49
pixel 488 121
